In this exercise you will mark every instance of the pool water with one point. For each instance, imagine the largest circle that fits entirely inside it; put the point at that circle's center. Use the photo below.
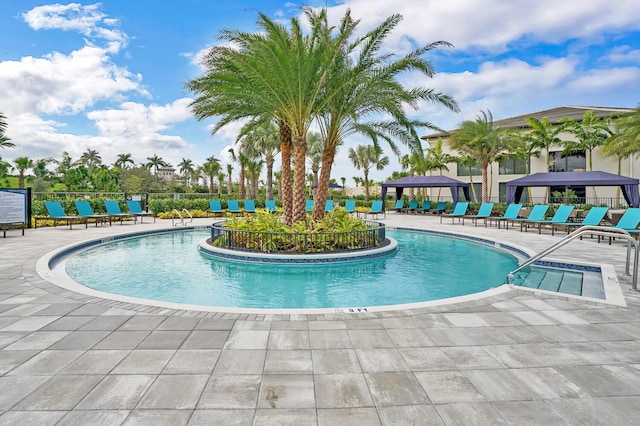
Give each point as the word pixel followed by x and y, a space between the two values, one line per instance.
pixel 168 267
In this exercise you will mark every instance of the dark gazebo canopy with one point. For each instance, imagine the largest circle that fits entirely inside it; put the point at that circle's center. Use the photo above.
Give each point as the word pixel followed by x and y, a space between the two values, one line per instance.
pixel 426 182
pixel 629 185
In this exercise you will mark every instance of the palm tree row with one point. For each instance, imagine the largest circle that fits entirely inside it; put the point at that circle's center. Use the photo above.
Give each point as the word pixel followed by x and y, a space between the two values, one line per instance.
pixel 328 77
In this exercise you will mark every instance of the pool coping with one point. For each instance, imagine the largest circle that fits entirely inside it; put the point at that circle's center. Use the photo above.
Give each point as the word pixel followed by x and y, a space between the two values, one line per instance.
pixel 613 293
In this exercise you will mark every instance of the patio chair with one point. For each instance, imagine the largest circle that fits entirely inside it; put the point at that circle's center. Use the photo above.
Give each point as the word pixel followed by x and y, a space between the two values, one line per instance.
pixel 233 207
pixel 536 214
pixel 308 206
pixel 483 213
pixel 328 206
pixel 376 209
pixel 350 206
pixel 215 208
pixel 560 216
pixel 113 210
pixel 270 205
pixel 249 206
pixel 411 208
pixel 459 211
pixel 136 209
pixel 57 214
pixel 629 222
pixel 425 207
pixel 593 218
pixel 511 213
pixel 399 205
pixel 85 210
pixel 439 208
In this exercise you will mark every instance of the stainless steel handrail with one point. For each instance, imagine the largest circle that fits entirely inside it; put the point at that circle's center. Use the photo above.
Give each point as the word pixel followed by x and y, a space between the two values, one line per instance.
pixel 173 217
pixel 188 214
pixel 604 231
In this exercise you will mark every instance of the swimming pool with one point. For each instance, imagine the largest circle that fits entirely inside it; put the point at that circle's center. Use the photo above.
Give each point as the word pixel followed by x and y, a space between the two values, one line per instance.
pixel 168 267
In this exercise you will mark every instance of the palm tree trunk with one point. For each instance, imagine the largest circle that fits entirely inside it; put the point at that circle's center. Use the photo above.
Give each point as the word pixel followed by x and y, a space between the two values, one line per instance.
pixel 328 156
pixel 270 180
pixel 286 192
pixel 366 184
pixel 241 189
pixel 299 178
pixel 485 183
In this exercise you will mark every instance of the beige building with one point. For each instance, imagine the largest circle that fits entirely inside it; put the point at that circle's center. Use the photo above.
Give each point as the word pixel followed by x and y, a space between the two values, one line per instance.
pixel 511 168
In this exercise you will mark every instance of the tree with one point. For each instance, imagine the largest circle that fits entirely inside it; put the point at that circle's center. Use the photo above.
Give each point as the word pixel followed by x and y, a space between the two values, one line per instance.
pixel 4 140
pixel 41 174
pixel 591 133
pixel 123 161
pixel 229 181
pixel 523 147
pixel 220 177
pixel 365 156
pixel 186 168
pixel 545 134
pixel 90 159
pixel 155 162
pixel 315 147
pixel 344 185
pixel 436 159
pixel 481 140
pixel 262 140
pixel 21 165
pixel 210 169
pixel 624 141
pixel 242 160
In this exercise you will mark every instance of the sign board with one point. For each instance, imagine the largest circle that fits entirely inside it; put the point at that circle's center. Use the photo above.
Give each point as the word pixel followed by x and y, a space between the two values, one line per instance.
pixel 13 206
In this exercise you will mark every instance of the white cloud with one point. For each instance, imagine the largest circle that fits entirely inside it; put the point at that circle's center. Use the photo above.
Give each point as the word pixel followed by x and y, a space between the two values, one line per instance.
pixel 623 54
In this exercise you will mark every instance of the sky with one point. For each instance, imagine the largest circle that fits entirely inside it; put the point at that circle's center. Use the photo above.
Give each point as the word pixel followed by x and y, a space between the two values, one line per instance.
pixel 110 76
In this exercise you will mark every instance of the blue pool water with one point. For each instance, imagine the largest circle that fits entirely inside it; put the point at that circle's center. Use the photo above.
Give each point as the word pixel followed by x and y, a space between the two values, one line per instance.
pixel 168 267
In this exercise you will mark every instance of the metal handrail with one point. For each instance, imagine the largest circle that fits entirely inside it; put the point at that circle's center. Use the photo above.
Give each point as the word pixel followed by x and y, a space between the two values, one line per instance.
pixel 593 230
pixel 188 214
pixel 180 216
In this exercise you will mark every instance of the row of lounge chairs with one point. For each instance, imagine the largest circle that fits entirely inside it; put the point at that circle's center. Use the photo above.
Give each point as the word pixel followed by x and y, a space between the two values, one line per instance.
pixel 426 207
pixel 249 206
pixel 85 213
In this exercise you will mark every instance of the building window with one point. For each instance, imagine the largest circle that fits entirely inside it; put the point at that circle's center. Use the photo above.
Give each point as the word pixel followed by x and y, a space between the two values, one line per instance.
pixel 559 162
pixel 476 169
pixel 512 166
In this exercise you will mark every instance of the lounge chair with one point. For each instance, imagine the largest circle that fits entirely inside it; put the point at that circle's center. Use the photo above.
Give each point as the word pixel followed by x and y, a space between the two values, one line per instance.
pixel 113 210
pixel 57 214
pixel 270 205
pixel 215 208
pixel 413 206
pixel 136 209
pixel 560 216
pixel 233 207
pixel 459 211
pixel 629 222
pixel 376 209
pixel 536 214
pixel 439 208
pixel 85 210
pixel 511 213
pixel 328 206
pixel 350 206
pixel 425 207
pixel 399 206
pixel 308 206
pixel 483 213
pixel 593 218
pixel 249 206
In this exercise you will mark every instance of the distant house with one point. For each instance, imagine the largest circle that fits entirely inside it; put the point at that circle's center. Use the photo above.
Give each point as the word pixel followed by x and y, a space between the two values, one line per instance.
pixel 166 174
pixel 511 168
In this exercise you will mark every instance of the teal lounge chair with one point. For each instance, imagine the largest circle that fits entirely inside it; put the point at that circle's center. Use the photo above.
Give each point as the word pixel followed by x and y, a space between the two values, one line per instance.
pixel 459 211
pixel 136 209
pixel 328 206
pixel 249 206
pixel 561 216
pixel 233 207
pixel 57 214
pixel 350 206
pixel 270 205
pixel 113 210
pixel 512 212
pixel 536 214
pixel 425 207
pixel 85 210
pixel 439 208
pixel 413 206
pixel 483 213
pixel 593 218
pixel 376 209
pixel 629 222
pixel 215 208
pixel 399 205
pixel 308 206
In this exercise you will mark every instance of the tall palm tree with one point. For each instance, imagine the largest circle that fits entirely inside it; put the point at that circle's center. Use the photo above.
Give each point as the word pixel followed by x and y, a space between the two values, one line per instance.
pixel 363 158
pixel 186 167
pixel 363 86
pixel 155 162
pixel 437 159
pixel 220 177
pixel 545 134
pixel 591 133
pixel 210 169
pixel 483 141
pixel 4 140
pixel 315 147
pixel 21 165
pixel 124 161
pixel 229 181
pixel 262 140
pixel 239 157
pixel 90 159
pixel 523 147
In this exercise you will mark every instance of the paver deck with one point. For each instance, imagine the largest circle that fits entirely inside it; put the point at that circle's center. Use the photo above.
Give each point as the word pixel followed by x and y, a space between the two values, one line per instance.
pixel 516 358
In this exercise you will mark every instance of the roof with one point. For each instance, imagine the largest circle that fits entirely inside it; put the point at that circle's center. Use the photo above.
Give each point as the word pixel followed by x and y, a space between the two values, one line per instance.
pixel 424 181
pixel 596 178
pixel 554 115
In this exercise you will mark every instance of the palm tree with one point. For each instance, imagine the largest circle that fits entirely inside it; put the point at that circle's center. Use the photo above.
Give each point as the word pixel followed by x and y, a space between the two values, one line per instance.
pixel 365 156
pixel 545 134
pixel 155 162
pixel 315 147
pixel 4 141
pixel 482 141
pixel 436 159
pixel 262 140
pixel 344 185
pixel 123 161
pixel 242 160
pixel 624 141
pixel 229 181
pixel 362 85
pixel 220 177
pixel 90 159
pixel 64 168
pixel 523 147
pixel 21 165
pixel 186 167
pixel 253 170
pixel 469 161
pixel 210 169
pixel 591 133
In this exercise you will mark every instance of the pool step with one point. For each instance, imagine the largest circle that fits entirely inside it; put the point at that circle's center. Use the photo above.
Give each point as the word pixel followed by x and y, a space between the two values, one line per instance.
pixel 550 280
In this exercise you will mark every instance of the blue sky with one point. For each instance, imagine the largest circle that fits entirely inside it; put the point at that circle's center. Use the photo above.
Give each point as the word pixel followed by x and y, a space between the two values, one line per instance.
pixel 110 76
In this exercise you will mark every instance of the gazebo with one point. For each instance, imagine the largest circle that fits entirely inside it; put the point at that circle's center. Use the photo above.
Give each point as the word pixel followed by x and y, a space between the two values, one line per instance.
pixel 426 182
pixel 629 185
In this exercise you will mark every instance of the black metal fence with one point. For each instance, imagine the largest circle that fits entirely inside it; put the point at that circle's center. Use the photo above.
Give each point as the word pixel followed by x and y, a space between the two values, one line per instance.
pixel 291 242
